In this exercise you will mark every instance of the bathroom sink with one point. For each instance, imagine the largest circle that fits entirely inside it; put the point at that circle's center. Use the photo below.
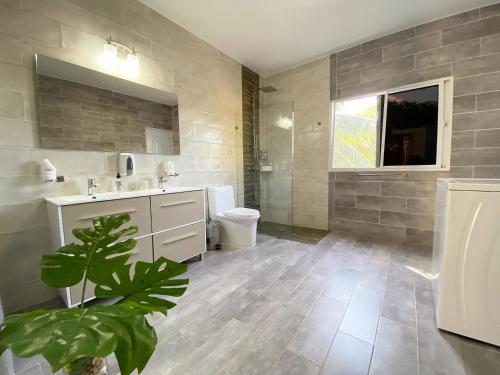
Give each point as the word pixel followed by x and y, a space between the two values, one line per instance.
pixel 76 199
pixel 83 198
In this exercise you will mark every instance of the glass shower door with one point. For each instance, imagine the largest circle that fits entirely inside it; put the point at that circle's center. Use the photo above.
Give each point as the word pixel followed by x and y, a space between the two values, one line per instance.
pixel 275 168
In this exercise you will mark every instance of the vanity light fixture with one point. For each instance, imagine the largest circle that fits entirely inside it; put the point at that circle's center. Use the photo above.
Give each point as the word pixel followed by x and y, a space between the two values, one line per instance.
pixel 109 58
pixel 131 64
pixel 109 55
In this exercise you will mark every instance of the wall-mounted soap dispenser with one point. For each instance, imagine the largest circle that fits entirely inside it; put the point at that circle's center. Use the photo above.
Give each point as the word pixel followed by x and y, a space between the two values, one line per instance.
pixel 127 164
pixel 49 172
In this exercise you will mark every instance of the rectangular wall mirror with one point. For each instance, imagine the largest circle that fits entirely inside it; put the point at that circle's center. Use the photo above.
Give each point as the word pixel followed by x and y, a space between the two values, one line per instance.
pixel 83 109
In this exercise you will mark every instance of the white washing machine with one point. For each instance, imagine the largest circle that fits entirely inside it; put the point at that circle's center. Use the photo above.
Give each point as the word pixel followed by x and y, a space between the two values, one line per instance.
pixel 466 258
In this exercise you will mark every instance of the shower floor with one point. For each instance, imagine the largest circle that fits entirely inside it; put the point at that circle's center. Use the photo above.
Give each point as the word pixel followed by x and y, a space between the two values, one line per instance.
pixel 300 234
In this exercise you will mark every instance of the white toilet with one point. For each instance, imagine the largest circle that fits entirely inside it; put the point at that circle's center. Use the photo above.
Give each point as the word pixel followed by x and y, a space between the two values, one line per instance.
pixel 239 225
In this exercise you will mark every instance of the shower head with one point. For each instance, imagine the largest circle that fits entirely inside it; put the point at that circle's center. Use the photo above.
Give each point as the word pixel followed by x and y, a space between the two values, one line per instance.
pixel 268 89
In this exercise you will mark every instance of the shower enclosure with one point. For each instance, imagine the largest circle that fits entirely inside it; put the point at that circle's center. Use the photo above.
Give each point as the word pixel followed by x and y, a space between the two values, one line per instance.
pixel 268 125
pixel 276 159
pixel 268 153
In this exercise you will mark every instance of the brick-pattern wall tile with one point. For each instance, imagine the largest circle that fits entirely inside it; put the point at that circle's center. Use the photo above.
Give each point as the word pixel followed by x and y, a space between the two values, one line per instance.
pixel 408 189
pixel 387 69
pixel 381 203
pixel 488 101
pixel 488 138
pixel 407 220
pixel 448 22
pixel 476 120
pixel 486 171
pixel 356 214
pixel 250 108
pixel 471 30
pixel 421 75
pixel 478 65
pixel 350 52
pixel 345 200
pixel 359 61
pixel 477 84
pixel 420 205
pixel 412 46
pixel 459 51
pixel 419 237
pixel 477 156
pixel 490 10
pixel 465 103
pixel 490 44
pixel 388 40
pixel 463 139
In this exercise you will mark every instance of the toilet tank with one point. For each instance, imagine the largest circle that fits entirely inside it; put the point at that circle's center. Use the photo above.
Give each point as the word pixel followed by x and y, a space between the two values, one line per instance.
pixel 220 199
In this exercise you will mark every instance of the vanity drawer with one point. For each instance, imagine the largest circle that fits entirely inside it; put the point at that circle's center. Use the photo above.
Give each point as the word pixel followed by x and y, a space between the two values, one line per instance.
pixel 181 243
pixel 143 251
pixel 80 215
pixel 173 210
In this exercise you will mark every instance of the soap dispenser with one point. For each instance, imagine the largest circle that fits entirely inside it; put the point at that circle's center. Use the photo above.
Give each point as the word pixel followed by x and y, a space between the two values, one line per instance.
pixel 127 164
pixel 117 183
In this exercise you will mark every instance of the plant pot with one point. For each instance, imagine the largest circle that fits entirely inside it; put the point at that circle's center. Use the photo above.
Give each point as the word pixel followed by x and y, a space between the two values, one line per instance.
pixel 87 366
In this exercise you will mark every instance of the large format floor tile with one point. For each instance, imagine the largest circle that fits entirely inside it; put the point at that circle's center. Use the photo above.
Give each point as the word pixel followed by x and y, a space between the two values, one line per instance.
pixel 343 305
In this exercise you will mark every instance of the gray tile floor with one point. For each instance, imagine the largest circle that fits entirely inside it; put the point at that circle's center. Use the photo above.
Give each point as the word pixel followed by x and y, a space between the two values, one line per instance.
pixel 346 305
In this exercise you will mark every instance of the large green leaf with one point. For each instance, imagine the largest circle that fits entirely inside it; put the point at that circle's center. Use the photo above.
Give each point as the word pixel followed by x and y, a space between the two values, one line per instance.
pixel 63 336
pixel 99 254
pixel 144 289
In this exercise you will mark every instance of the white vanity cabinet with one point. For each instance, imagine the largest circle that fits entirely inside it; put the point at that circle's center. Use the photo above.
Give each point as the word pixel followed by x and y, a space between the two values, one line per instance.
pixel 171 225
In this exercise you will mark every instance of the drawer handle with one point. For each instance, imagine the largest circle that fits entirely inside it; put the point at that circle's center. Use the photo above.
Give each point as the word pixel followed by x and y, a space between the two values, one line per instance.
pixel 177 203
pixel 180 238
pixel 108 214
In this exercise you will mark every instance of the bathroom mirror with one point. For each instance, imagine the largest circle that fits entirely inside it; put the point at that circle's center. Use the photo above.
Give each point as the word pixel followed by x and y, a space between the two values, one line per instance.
pixel 83 109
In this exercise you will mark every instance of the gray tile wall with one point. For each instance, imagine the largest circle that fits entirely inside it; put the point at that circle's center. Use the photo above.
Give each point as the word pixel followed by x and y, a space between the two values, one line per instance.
pixel 250 112
pixel 81 117
pixel 465 46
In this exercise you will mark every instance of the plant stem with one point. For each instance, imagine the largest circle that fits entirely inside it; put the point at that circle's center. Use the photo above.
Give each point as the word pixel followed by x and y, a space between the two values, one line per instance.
pixel 89 260
pixel 83 289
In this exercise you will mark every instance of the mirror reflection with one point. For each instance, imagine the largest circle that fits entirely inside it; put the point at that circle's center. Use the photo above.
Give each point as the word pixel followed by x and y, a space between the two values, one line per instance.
pixel 83 109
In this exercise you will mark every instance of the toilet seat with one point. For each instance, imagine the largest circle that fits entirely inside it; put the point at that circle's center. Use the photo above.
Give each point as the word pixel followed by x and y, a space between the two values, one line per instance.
pixel 241 213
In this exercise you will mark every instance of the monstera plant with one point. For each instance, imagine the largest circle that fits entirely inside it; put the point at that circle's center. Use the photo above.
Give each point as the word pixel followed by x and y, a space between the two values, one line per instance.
pixel 74 338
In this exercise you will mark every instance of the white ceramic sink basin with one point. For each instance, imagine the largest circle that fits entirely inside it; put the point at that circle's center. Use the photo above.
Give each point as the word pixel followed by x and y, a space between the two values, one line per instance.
pixel 78 199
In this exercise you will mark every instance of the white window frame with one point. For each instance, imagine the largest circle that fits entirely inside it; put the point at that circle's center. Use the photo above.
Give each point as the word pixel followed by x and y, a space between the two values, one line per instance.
pixel 445 113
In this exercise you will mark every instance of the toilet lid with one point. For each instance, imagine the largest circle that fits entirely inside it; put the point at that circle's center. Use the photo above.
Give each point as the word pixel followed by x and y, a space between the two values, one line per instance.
pixel 242 213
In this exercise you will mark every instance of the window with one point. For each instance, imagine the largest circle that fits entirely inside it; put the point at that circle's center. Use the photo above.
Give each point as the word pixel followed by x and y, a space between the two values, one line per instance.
pixel 405 128
pixel 357 124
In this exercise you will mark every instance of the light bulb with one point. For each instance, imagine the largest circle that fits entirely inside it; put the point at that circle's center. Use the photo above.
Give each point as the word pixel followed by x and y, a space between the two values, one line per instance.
pixel 131 65
pixel 108 57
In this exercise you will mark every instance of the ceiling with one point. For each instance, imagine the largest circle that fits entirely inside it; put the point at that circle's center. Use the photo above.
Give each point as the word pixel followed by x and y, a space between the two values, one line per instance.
pixel 270 36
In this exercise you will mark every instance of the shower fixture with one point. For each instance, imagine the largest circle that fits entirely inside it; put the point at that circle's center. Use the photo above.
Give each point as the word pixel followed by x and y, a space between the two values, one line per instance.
pixel 268 89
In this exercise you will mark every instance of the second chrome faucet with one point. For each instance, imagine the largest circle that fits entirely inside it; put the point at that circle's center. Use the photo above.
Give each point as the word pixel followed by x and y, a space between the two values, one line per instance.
pixel 91 185
pixel 161 181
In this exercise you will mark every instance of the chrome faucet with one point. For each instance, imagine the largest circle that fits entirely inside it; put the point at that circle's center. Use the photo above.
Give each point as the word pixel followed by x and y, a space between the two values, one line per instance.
pixel 161 180
pixel 91 184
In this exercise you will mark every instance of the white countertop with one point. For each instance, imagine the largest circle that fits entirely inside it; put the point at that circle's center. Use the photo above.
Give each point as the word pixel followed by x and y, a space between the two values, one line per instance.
pixel 470 184
pixel 66 200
